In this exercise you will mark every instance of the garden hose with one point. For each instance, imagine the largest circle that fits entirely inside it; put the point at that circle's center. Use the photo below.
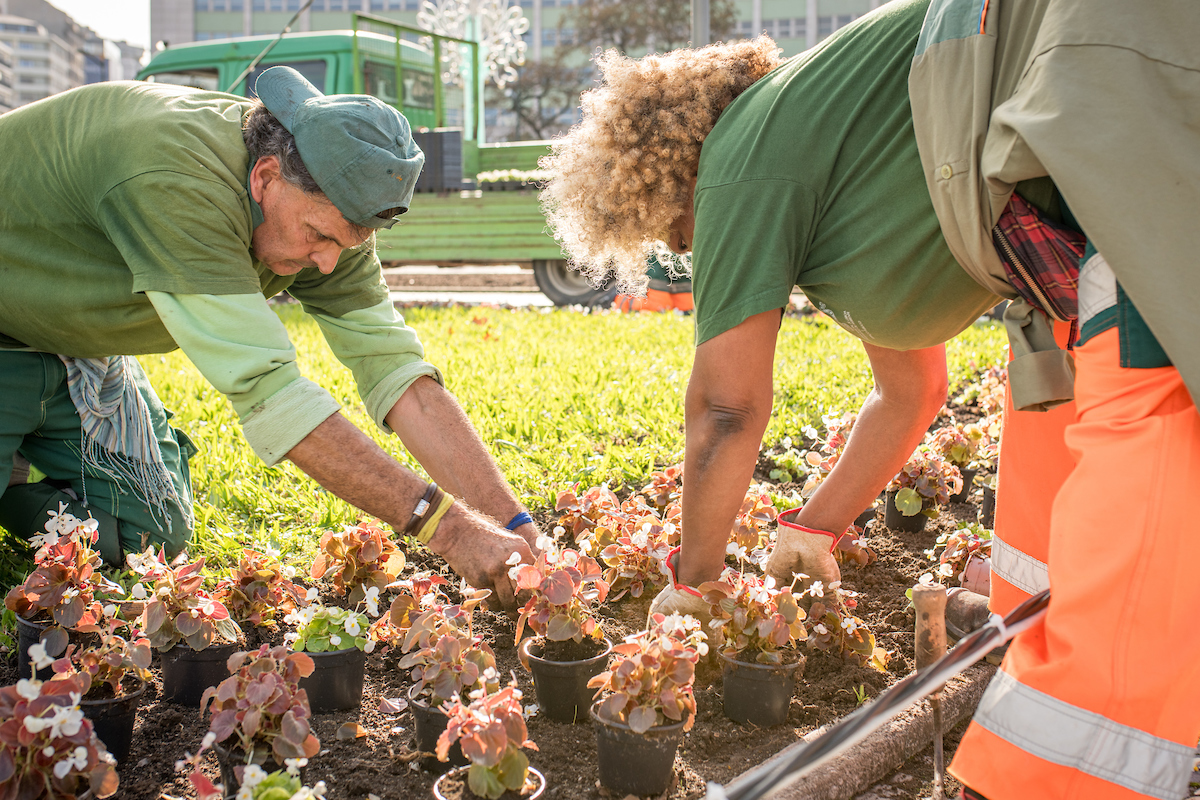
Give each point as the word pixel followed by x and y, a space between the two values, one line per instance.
pixel 771 777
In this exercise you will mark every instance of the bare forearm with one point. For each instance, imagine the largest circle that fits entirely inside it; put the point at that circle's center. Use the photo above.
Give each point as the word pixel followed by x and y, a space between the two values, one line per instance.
pixel 718 466
pixel 348 463
pixel 909 390
pixel 436 431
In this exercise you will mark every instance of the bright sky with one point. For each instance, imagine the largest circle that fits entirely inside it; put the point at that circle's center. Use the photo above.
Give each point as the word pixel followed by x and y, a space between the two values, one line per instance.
pixel 120 20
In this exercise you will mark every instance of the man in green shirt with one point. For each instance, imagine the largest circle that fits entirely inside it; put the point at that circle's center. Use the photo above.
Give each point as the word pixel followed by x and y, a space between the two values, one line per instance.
pixel 140 218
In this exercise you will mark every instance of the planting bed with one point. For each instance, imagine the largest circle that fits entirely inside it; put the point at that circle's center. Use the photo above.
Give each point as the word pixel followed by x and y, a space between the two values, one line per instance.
pixel 382 762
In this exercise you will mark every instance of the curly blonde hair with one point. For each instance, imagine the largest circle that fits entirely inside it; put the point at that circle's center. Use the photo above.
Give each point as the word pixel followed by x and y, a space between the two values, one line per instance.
pixel 624 173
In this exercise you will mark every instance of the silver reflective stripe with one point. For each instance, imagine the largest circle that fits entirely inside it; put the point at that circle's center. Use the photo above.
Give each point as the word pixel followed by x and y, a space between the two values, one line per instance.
pixel 1097 288
pixel 1069 736
pixel 1020 569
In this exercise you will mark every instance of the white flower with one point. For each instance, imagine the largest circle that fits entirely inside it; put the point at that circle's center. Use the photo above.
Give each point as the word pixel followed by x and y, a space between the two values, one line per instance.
pixel 514 559
pixel 67 721
pixel 293 765
pixel 110 610
pixel 353 626
pixel 76 760
pixel 820 628
pixel 769 582
pixel 669 528
pixel 849 625
pixel 335 639
pixel 926 579
pixel 138 592
pixel 311 595
pixel 209 608
pixel 38 656
pixel 545 543
pixel 371 600
pixel 585 546
pixel 530 710
pixel 369 647
pixel 253 775
pixel 48 750
pixel 641 538
pixel 559 530
pixel 946 569
pixel 29 688
pixel 36 725
pixel 817 589
pixel 208 741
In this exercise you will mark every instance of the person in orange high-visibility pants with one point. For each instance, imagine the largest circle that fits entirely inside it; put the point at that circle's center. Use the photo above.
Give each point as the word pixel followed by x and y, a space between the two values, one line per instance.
pixel 1102 699
pixel 1034 462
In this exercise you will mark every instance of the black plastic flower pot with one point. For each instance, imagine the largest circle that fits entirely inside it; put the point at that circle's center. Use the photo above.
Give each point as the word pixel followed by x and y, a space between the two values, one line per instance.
pixel 758 693
pixel 428 724
pixel 28 634
pixel 186 673
pixel 635 763
pixel 113 719
pixel 865 517
pixel 336 683
pixel 454 785
pixel 897 521
pixel 561 686
pixel 987 510
pixel 968 477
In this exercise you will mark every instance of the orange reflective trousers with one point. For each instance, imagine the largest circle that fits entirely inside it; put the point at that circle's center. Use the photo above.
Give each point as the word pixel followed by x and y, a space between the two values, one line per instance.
pixel 1102 699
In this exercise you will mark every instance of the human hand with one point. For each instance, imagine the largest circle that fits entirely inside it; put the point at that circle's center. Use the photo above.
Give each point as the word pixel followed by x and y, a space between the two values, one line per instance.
pixel 480 551
pixel 802 550
pixel 678 598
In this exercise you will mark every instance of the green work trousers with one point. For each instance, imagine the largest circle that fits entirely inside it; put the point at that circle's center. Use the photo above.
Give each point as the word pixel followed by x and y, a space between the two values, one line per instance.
pixel 39 421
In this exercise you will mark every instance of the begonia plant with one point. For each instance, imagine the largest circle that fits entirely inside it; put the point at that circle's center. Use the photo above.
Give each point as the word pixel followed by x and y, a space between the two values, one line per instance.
pixel 649 682
pixel 491 730
pixel 757 619
pixel 356 558
pixel 259 591
pixel 177 608
pixel 262 707
pixel 48 749
pixel 565 587
pixel 925 483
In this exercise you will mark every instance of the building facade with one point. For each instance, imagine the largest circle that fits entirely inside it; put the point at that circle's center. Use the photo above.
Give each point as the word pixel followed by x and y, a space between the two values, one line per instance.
pixel 795 24
pixel 7 80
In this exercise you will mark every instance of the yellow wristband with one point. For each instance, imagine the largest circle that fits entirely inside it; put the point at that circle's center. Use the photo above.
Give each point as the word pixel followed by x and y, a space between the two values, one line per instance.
pixel 431 523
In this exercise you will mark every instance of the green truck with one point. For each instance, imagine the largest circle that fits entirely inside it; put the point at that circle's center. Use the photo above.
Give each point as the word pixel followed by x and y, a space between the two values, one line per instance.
pixel 455 220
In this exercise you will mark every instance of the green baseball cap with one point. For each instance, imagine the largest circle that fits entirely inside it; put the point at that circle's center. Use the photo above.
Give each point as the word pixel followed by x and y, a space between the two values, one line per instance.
pixel 358 149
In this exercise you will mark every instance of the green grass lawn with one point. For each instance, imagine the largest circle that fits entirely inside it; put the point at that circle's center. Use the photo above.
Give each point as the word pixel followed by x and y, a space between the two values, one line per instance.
pixel 558 397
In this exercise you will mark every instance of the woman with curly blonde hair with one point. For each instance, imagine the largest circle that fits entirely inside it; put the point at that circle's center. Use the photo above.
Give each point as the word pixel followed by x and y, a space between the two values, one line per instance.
pixel 904 174
pixel 626 172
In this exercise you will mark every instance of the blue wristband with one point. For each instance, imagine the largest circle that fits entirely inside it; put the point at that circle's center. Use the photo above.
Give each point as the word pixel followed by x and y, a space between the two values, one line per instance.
pixel 520 519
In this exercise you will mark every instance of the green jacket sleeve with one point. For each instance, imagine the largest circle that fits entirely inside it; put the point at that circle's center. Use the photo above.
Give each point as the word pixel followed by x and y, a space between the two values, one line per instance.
pixel 242 349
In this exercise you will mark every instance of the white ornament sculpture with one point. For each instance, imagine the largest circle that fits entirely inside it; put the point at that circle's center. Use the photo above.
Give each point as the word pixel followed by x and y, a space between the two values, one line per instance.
pixel 495 24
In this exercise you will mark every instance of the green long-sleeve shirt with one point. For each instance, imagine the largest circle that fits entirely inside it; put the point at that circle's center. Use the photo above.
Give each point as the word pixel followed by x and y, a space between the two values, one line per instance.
pixel 126 230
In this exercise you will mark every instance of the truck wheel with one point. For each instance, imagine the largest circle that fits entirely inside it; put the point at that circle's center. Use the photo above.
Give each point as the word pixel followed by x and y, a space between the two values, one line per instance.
pixel 566 287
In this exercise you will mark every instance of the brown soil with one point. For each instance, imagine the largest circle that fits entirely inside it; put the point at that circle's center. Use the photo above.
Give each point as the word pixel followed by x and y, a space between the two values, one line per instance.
pixel 382 761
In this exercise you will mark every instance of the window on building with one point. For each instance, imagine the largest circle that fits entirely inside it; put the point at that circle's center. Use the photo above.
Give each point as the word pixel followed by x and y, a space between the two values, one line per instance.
pixel 354 5
pixel 293 5
pixel 844 19
pixel 33 63
pixel 566 36
pixel 549 37
pixel 799 27
pixel 745 29
pixel 201 5
pixel 15 28
pixel 335 5
pixel 395 5
pixel 412 5
pixel 218 5
pixel 824 27
pixel 379 5
pixel 33 46
pixel 276 5
pixel 237 5
pixel 783 28
pixel 258 5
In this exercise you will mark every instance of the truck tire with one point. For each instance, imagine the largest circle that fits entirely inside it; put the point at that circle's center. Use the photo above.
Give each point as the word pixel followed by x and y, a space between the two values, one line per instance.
pixel 566 287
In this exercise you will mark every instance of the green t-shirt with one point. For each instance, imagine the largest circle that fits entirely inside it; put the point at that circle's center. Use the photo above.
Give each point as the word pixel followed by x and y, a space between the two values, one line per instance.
pixel 121 188
pixel 811 178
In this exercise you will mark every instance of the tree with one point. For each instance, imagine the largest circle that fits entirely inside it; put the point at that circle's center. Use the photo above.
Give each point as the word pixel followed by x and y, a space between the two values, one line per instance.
pixel 631 25
pixel 543 94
